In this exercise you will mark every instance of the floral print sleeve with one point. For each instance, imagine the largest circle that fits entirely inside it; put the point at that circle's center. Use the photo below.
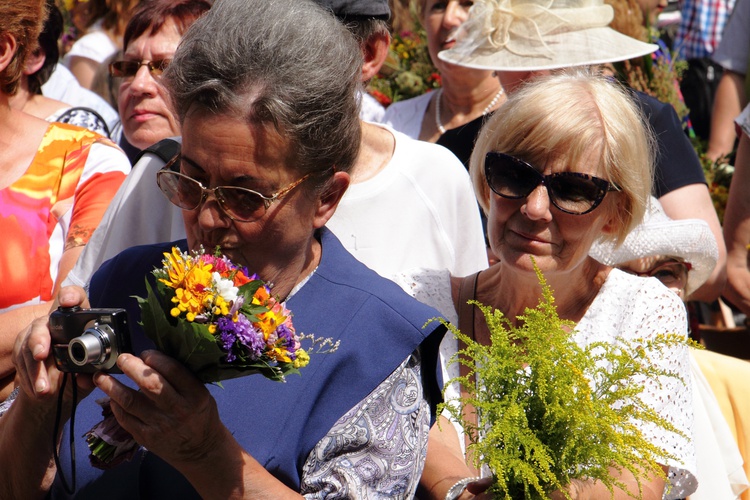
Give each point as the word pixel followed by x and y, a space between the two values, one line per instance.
pixel 376 450
pixel 55 205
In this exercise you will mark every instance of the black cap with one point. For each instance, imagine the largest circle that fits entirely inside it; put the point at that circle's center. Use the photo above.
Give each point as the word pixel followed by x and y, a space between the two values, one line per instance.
pixel 357 9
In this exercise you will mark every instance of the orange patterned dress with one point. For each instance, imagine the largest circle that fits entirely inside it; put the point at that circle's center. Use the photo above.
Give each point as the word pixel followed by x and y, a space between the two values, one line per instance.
pixel 55 205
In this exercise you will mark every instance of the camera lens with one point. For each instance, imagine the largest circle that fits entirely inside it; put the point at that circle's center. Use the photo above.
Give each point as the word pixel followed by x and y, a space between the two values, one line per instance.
pixel 92 347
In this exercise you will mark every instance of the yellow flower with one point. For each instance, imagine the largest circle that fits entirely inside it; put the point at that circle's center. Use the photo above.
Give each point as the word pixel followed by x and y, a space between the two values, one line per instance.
pixel 268 322
pixel 302 359
pixel 279 354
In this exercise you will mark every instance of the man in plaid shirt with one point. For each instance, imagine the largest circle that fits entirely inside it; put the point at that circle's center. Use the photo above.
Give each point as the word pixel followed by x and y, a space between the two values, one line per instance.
pixel 701 26
pixel 698 35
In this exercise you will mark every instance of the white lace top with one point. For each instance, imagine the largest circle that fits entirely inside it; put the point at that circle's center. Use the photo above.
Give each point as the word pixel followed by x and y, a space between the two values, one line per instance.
pixel 626 306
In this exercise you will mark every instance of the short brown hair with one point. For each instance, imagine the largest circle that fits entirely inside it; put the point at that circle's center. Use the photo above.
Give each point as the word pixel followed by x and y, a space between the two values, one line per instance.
pixel 21 19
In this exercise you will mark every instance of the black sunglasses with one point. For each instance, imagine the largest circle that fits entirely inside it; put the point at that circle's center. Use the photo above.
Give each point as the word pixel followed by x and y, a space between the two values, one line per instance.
pixel 128 69
pixel 571 192
pixel 240 204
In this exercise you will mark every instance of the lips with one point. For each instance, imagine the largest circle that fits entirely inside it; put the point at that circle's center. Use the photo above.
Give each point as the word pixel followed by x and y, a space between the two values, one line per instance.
pixel 143 114
pixel 532 238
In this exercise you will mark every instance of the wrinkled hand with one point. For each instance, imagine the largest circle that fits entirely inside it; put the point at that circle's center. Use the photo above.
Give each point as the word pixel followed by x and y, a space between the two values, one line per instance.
pixel 173 415
pixel 37 374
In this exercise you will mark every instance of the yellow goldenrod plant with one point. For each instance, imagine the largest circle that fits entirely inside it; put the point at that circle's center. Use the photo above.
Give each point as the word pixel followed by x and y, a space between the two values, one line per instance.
pixel 549 411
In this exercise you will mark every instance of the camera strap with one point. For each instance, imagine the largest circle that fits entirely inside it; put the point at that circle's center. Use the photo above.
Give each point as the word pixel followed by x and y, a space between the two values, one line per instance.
pixel 58 417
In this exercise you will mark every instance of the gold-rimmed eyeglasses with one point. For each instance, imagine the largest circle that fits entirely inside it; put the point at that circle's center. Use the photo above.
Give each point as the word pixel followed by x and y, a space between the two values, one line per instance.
pixel 240 204
pixel 128 69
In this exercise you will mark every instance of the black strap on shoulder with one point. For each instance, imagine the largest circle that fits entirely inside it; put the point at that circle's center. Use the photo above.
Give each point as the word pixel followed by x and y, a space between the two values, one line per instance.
pixel 165 149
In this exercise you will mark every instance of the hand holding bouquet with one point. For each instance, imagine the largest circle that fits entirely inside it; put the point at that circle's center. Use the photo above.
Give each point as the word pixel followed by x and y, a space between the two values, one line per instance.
pixel 220 322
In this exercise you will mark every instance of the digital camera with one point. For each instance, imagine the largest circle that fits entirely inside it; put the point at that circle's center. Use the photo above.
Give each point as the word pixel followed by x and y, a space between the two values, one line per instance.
pixel 89 340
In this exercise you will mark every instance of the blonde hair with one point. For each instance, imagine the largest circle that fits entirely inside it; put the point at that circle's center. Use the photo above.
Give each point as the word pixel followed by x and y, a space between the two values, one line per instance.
pixel 569 116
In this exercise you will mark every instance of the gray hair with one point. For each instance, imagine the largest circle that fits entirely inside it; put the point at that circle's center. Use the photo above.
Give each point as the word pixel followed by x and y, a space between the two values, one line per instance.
pixel 283 62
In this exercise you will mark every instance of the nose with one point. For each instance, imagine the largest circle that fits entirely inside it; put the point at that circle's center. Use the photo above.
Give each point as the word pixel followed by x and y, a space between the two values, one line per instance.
pixel 454 16
pixel 210 214
pixel 143 82
pixel 537 205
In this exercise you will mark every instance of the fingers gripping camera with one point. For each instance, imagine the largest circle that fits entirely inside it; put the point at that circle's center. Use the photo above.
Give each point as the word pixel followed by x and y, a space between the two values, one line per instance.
pixel 89 340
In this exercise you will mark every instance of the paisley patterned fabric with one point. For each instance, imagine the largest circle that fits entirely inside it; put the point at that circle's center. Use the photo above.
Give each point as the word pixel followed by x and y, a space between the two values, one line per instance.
pixel 54 205
pixel 369 452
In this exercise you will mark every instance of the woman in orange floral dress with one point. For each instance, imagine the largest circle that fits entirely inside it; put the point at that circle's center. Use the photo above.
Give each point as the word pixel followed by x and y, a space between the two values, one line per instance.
pixel 56 180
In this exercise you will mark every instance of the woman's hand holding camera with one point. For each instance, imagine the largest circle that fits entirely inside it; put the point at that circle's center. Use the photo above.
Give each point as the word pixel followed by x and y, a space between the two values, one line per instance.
pixel 37 373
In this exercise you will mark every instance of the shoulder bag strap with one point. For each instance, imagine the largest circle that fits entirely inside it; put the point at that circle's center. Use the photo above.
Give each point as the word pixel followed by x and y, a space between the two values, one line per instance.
pixel 467 291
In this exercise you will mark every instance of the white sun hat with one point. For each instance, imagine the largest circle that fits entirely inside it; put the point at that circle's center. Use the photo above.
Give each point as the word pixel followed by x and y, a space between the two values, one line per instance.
pixel 535 35
pixel 688 239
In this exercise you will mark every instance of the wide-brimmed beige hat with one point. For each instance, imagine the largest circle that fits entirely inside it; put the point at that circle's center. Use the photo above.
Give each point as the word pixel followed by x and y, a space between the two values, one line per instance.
pixel 535 35
pixel 688 239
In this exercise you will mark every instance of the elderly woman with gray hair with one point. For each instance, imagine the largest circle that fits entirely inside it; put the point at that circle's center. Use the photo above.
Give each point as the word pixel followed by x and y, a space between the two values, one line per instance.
pixel 265 92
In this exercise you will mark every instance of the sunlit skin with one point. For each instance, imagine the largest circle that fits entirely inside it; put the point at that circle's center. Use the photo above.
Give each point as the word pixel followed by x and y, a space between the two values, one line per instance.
pixel 513 80
pixel 441 19
pixel 651 10
pixel 142 100
pixel 533 227
pixel 221 150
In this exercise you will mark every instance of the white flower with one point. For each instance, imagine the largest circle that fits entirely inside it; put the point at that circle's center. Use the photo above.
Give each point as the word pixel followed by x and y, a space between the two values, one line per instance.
pixel 224 287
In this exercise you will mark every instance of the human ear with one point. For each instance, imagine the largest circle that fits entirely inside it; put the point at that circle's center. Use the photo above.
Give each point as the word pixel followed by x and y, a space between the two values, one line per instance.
pixel 8 46
pixel 34 62
pixel 330 198
pixel 375 52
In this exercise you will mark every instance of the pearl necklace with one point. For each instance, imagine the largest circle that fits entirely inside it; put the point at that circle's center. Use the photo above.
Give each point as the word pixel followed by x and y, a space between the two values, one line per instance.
pixel 486 110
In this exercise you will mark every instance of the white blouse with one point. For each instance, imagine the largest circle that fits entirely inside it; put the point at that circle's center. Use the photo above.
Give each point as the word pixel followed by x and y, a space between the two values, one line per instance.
pixel 626 307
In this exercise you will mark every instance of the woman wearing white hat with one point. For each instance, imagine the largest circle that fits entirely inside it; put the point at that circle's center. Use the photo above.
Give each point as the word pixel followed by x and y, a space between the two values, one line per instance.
pixel 681 254
pixel 522 39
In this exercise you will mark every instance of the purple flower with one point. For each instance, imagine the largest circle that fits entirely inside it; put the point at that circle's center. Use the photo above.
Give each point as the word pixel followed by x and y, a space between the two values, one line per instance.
pixel 287 339
pixel 243 334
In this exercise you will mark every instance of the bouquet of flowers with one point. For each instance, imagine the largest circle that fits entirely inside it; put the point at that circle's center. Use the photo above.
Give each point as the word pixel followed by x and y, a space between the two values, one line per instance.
pixel 549 411
pixel 217 320
pixel 220 322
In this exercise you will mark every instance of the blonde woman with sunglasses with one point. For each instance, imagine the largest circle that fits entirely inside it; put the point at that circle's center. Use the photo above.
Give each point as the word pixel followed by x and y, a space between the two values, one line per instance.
pixel 554 176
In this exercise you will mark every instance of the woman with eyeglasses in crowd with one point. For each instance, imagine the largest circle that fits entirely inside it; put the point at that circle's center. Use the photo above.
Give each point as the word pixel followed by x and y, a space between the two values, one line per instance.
pixel 56 181
pixel 149 43
pixel 260 88
pixel 554 176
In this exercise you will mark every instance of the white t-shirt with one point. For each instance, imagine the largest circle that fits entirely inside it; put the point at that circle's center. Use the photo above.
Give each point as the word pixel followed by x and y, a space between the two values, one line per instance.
pixel 95 45
pixel 371 110
pixel 625 306
pixel 419 211
pixel 139 214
